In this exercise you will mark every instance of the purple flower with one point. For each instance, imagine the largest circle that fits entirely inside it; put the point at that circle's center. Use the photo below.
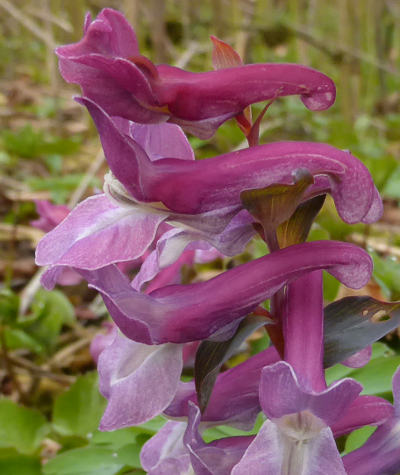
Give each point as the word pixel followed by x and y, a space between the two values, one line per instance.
pixel 141 378
pixel 102 230
pixel 219 456
pixel 165 452
pixel 130 371
pixel 298 436
pixel 158 268
pixel 102 340
pixel 381 453
pixel 239 386
pixel 50 215
pixel 183 313
pixel 107 65
pixel 202 198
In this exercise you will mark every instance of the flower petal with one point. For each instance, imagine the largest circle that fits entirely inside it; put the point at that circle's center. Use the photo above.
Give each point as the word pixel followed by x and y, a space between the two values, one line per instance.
pixel 303 320
pixel 216 458
pixel 359 359
pixel 268 454
pixel 102 340
pixel 110 34
pixel 165 453
pixel 97 233
pixel 195 187
pixel 289 397
pixel 379 455
pixel 363 411
pixel 177 247
pixel 264 455
pixel 138 380
pixel 50 215
pixel 199 96
pixel 162 140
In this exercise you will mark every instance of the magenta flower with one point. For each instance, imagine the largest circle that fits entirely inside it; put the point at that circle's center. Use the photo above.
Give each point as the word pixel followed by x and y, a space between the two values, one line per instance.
pixel 160 272
pixel 239 385
pixel 113 228
pixel 202 198
pixel 107 65
pixel 183 313
pixel 128 369
pixel 143 375
pixel 50 215
pixel 102 340
pixel 298 437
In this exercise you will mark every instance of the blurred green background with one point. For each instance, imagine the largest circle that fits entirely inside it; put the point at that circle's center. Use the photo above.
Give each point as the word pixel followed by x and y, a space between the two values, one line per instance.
pixel 49 149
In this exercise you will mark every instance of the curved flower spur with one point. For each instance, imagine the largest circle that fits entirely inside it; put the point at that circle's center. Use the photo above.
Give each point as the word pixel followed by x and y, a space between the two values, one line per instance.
pixel 183 313
pixel 107 65
pixel 203 197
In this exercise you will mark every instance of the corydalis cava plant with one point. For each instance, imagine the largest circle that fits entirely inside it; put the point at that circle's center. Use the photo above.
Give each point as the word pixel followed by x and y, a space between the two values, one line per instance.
pixel 159 197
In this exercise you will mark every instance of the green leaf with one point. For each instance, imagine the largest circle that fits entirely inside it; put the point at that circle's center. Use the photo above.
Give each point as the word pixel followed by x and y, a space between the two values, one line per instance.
pixel 14 463
pixel 26 142
pixel 9 306
pixel 21 428
pixel 78 411
pixel 151 427
pixel 30 143
pixel 392 185
pixel 357 438
pixel 329 220
pixel 318 234
pixel 16 338
pixel 130 455
pixel 261 344
pixel 85 461
pixel 260 248
pixel 223 431
pixel 387 275
pixel 50 311
pixel 354 323
pixel 340 371
pixel 211 355
pixel 59 186
pixel 331 287
pixel 376 376
pixel 114 439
